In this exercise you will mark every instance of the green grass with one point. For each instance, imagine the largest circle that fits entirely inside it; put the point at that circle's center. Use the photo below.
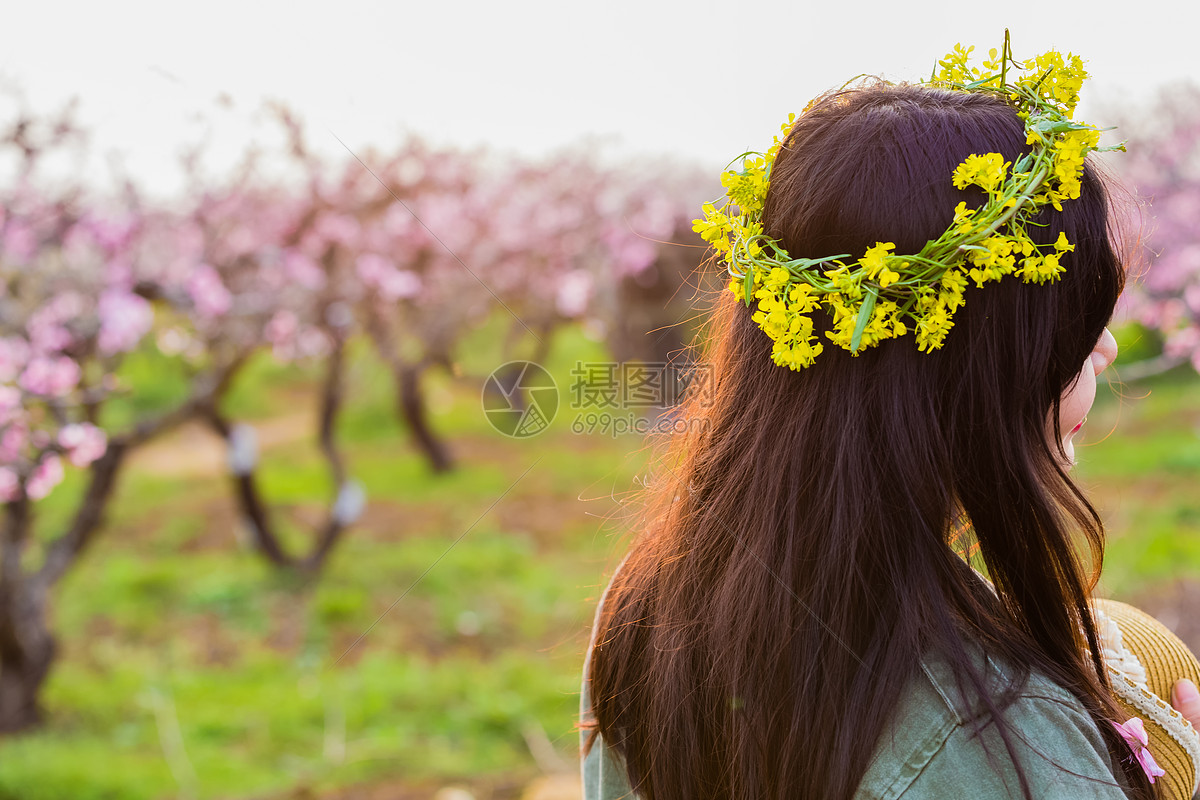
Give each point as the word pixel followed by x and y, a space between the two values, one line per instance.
pixel 1140 461
pixel 476 611
pixel 475 590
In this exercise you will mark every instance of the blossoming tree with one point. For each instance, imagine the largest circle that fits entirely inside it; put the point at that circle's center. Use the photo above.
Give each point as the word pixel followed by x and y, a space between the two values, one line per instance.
pixel 412 250
pixel 1163 167
pixel 71 309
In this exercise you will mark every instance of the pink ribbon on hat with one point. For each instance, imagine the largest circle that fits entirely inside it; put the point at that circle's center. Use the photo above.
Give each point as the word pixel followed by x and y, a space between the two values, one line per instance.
pixel 1134 733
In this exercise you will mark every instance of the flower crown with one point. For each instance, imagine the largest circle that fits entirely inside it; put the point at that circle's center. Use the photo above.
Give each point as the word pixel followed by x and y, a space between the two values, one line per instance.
pixel 883 294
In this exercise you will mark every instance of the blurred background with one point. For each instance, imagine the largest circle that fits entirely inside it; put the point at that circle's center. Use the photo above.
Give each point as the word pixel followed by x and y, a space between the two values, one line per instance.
pixel 276 523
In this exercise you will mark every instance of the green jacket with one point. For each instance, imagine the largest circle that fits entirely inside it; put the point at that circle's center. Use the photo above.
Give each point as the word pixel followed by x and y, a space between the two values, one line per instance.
pixel 928 750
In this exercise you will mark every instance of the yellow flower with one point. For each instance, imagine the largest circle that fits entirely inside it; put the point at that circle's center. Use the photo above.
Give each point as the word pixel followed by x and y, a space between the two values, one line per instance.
pixel 875 257
pixel 802 298
pixel 950 297
pixel 962 219
pixel 932 329
pixel 954 67
pixel 714 228
pixel 986 171
pixel 746 189
pixel 980 276
pixel 796 355
pixel 954 280
pixel 1039 269
pixel 801 326
pixel 777 278
pixel 769 301
pixel 997 257
pixel 775 324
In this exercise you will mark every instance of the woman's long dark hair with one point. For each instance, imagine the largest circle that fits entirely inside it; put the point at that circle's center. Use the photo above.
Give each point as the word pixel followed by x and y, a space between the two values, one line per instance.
pixel 794 562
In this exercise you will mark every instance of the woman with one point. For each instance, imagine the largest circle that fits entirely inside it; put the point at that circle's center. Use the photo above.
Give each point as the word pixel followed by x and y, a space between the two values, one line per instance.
pixel 800 617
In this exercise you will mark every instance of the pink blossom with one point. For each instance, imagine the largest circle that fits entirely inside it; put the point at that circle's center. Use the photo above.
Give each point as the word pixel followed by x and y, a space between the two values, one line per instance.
pixel 45 328
pixel 340 228
pixel 65 306
pixel 634 255
pixel 371 267
pixel 281 333
pixel 46 475
pixel 282 327
pixel 13 441
pixel 50 377
pixel 19 242
pixel 124 319
pixel 301 269
pixel 207 291
pixel 118 271
pixel 1180 343
pixel 444 215
pixel 574 291
pixel 188 240
pixel 656 218
pixel 77 241
pixel 11 410
pixel 9 484
pixel 112 234
pixel 14 354
pixel 84 443
pixel 48 337
pixel 398 221
pixel 241 242
pixel 1191 296
pixel 377 272
pixel 400 284
pixel 10 401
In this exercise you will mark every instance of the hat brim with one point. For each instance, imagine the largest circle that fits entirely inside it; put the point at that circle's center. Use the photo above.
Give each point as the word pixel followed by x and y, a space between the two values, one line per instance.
pixel 1164 659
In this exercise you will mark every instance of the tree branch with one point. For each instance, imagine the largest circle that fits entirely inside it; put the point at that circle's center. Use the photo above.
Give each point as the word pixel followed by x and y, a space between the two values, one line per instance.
pixel 331 406
pixel 62 552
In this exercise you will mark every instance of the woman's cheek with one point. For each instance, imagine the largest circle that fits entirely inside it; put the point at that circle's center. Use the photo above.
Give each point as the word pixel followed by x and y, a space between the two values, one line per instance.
pixel 1074 407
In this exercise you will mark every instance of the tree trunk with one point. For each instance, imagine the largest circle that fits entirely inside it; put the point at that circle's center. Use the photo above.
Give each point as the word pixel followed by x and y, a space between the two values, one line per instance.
pixel 410 403
pixel 27 649
pixel 413 409
pixel 253 505
pixel 26 644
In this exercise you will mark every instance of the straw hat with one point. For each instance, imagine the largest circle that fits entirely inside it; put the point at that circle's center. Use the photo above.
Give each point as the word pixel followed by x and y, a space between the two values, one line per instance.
pixel 1144 660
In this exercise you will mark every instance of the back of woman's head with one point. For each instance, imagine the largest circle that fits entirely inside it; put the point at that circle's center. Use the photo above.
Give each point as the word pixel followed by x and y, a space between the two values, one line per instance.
pixel 796 560
pixel 874 165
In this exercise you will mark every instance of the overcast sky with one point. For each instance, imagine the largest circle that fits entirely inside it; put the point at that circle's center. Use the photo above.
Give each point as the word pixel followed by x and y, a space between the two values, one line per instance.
pixel 700 80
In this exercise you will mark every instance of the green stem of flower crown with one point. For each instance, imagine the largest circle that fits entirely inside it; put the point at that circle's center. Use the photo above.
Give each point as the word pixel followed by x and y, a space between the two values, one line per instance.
pixel 864 315
pixel 1022 201
pixel 1005 55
